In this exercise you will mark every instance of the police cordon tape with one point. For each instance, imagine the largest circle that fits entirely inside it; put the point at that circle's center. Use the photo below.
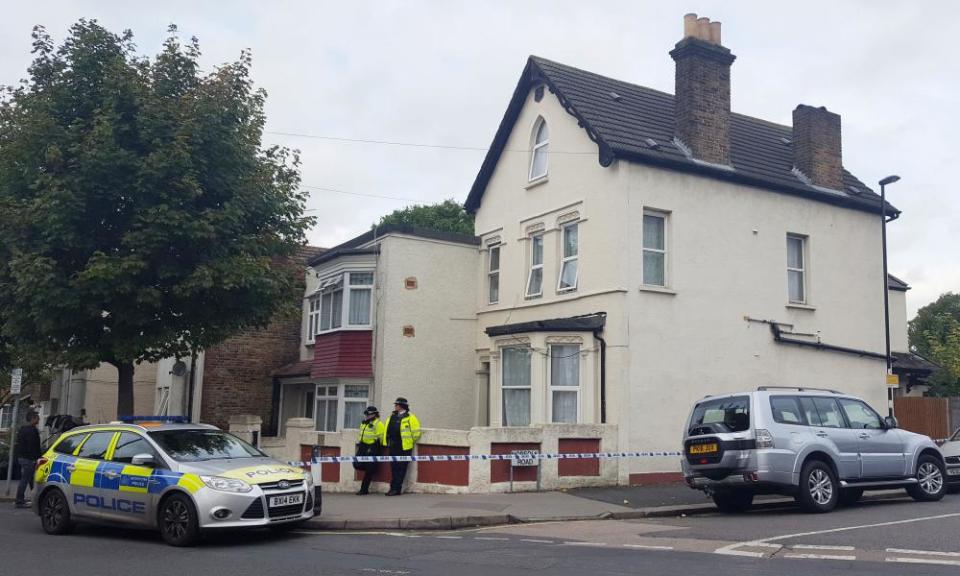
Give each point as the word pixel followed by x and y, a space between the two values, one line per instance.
pixel 521 456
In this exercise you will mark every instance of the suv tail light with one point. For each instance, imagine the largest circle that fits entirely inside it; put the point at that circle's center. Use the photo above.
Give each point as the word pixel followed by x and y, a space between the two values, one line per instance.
pixel 764 438
pixel 41 461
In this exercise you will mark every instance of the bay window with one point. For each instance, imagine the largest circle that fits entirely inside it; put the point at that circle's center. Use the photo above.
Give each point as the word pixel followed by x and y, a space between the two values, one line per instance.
pixel 332 313
pixel 515 385
pixel 340 406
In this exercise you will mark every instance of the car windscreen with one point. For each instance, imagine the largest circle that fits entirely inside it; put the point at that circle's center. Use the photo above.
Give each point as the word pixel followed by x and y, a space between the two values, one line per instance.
pixel 197 445
pixel 719 415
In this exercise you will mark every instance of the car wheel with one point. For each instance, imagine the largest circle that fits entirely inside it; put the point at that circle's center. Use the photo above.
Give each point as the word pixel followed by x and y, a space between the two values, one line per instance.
pixel 818 490
pixel 178 521
pixel 850 496
pixel 733 501
pixel 930 485
pixel 55 513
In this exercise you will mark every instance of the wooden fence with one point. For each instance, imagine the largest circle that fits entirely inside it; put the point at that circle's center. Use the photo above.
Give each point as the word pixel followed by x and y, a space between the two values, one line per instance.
pixel 930 416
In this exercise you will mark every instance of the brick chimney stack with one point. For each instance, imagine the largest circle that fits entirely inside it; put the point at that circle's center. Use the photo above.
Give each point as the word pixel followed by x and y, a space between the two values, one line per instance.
pixel 702 104
pixel 816 146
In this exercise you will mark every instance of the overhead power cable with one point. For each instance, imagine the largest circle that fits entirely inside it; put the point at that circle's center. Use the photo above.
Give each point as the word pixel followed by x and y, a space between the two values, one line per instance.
pixel 410 144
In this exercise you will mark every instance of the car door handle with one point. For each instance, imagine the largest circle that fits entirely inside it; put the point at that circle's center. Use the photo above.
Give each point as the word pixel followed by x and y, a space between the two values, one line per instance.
pixel 863 436
pixel 71 468
pixel 822 434
pixel 111 474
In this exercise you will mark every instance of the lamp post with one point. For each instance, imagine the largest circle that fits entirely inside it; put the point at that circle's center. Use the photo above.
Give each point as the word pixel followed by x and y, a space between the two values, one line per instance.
pixel 886 296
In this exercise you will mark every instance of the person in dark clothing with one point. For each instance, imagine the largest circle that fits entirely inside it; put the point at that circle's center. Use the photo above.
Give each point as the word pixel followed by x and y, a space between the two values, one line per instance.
pixel 400 435
pixel 28 451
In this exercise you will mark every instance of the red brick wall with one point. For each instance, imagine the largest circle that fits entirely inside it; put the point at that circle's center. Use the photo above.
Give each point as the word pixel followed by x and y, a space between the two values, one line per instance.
pixel 343 354
pixel 500 469
pixel 237 373
pixel 578 467
pixel 654 478
pixel 447 473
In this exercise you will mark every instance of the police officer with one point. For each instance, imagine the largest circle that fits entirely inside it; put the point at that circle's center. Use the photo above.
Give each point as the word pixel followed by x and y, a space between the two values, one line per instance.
pixel 400 434
pixel 28 451
pixel 371 433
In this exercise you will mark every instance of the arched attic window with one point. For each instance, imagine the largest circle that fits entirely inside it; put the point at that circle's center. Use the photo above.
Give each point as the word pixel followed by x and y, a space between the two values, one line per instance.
pixel 541 147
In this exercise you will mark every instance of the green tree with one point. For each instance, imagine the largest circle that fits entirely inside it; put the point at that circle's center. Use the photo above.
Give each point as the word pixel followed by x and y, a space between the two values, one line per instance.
pixel 140 216
pixel 446 216
pixel 935 334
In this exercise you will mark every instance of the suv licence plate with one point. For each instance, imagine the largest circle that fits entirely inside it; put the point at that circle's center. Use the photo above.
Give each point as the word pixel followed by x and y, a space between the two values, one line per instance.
pixel 704 448
pixel 286 500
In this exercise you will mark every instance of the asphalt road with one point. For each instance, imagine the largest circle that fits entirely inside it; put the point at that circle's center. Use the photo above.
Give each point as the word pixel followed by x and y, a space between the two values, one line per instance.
pixel 893 537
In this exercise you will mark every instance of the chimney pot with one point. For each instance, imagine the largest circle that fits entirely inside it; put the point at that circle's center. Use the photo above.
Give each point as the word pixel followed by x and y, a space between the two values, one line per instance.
pixel 690 25
pixel 817 150
pixel 703 29
pixel 715 33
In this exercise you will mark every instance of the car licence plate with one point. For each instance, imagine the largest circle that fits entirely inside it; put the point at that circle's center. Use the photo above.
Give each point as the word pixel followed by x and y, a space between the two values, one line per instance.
pixel 704 448
pixel 953 471
pixel 286 500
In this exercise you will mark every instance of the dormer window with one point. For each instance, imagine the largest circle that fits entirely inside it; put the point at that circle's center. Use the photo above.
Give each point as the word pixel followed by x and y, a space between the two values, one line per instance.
pixel 541 146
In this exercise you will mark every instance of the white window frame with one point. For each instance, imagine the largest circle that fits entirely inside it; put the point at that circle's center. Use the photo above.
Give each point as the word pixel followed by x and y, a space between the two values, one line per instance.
pixel 528 387
pixel 537 147
pixel 6 413
pixel 802 270
pixel 551 387
pixel 665 251
pixel 343 283
pixel 534 238
pixel 341 400
pixel 564 260
pixel 313 317
pixel 493 273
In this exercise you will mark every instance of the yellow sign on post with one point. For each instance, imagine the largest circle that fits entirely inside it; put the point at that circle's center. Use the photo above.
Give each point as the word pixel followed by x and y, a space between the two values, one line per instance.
pixel 893 380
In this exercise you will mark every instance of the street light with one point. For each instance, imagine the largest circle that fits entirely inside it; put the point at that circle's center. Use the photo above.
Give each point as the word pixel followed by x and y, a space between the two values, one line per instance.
pixel 886 296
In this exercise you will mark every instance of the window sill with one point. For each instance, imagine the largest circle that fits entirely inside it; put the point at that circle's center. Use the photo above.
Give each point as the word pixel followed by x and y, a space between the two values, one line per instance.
pixel 657 289
pixel 537 182
pixel 797 306
pixel 566 292
pixel 533 296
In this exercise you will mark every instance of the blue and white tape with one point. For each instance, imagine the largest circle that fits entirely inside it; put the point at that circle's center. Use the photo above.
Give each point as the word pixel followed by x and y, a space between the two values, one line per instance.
pixel 485 457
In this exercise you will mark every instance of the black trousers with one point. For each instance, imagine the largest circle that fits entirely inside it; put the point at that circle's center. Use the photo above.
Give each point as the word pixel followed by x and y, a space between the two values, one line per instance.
pixel 398 470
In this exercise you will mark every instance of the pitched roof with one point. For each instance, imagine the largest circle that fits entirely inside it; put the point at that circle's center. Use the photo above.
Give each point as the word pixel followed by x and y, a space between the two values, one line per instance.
pixel 894 283
pixel 301 368
pixel 356 245
pixel 623 125
pixel 910 361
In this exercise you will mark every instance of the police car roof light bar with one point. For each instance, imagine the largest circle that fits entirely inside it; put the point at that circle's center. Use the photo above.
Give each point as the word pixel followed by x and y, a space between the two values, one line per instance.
pixel 171 419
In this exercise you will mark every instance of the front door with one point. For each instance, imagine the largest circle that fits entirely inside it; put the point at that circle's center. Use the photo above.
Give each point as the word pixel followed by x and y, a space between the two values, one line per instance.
pixel 823 414
pixel 125 486
pixel 85 474
pixel 881 450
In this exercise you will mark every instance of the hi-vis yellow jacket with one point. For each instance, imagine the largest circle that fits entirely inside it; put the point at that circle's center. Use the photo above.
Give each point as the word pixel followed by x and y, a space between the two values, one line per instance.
pixel 371 432
pixel 409 430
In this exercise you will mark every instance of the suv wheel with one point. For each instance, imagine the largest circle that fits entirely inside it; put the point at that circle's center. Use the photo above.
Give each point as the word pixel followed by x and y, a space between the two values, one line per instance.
pixel 930 486
pixel 818 490
pixel 55 513
pixel 733 501
pixel 178 521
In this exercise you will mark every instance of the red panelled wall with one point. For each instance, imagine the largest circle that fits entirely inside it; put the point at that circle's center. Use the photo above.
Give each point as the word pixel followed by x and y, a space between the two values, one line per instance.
pixel 500 469
pixel 578 467
pixel 343 354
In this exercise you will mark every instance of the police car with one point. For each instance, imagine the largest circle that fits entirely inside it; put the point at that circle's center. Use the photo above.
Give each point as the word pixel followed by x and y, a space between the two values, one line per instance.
pixel 166 474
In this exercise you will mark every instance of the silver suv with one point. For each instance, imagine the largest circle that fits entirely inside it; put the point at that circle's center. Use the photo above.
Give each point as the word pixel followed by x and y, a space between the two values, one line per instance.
pixel 821 446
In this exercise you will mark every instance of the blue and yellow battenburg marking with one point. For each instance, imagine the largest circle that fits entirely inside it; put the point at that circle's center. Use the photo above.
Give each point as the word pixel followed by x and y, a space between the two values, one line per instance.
pixel 65 469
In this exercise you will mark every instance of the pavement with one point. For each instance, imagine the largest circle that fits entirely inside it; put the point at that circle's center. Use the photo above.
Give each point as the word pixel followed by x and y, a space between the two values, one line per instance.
pixel 454 511
pixel 887 537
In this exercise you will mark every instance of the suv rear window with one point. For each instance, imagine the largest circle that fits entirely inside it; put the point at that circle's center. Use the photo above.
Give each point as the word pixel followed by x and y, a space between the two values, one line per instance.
pixel 786 410
pixel 721 415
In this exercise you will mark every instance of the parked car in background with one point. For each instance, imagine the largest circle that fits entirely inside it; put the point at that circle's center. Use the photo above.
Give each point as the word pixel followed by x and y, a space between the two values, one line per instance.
pixel 951 455
pixel 820 446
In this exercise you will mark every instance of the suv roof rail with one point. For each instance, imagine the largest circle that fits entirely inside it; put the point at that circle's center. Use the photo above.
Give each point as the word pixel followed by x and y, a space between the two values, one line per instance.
pixel 798 388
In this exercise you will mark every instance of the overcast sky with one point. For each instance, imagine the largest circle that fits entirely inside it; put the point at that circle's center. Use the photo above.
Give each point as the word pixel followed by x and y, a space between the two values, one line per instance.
pixel 441 73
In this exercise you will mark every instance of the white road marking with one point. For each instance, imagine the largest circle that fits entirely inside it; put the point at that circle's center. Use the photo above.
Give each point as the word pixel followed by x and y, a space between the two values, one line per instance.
pixel 489 538
pixel 923 552
pixel 727 551
pixel 821 547
pixel 449 537
pixel 536 541
pixel 765 545
pixel 645 547
pixel 925 561
pixel 585 543
pixel 820 556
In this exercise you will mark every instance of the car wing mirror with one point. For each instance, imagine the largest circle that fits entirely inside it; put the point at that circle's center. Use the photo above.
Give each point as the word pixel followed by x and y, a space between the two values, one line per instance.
pixel 889 422
pixel 144 460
